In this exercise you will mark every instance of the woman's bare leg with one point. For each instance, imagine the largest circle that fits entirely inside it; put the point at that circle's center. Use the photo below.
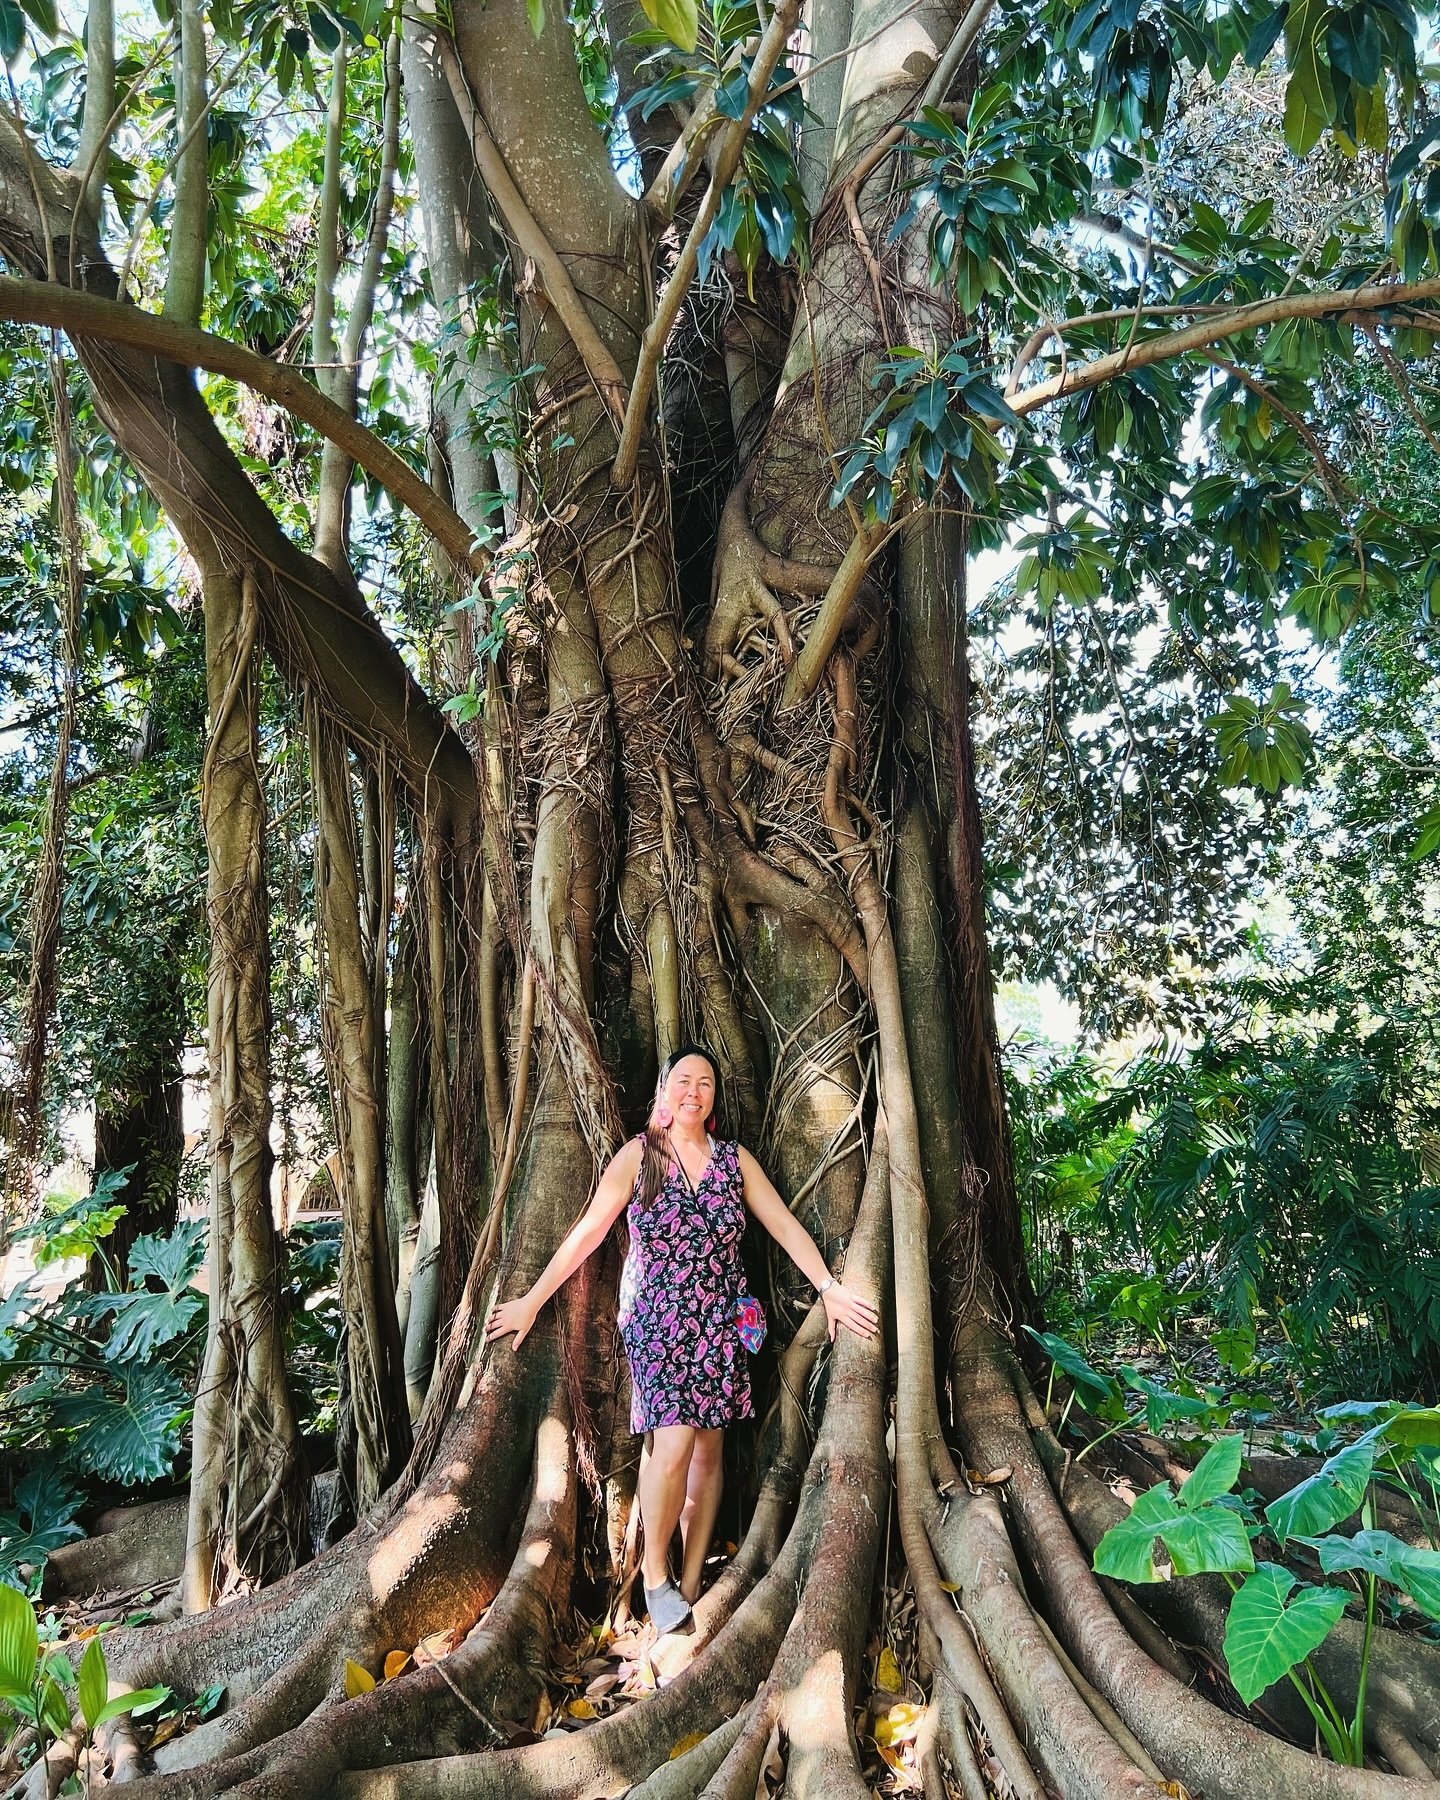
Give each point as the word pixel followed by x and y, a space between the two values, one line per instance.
pixel 661 1487
pixel 702 1504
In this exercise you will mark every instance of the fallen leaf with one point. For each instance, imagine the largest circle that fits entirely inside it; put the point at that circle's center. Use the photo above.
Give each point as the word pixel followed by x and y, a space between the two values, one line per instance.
pixel 395 1662
pixel 357 1680
pixel 950 1587
pixel 688 1742
pixel 602 1684
pixel 899 1722
pixel 887 1672
pixel 164 1731
pixel 996 1477
pixel 439 1644
pixel 581 1709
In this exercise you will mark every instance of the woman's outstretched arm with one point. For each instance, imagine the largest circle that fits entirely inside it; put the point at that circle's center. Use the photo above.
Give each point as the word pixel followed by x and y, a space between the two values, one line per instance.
pixel 842 1307
pixel 584 1237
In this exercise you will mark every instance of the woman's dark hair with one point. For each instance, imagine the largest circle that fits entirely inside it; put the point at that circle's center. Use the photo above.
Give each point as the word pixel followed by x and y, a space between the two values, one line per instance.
pixel 655 1163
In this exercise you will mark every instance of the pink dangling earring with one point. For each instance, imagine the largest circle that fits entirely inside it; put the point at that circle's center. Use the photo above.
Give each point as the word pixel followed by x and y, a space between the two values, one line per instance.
pixel 711 1123
pixel 663 1118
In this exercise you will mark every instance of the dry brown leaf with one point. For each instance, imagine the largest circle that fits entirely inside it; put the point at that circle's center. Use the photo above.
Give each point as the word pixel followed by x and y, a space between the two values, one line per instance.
pixel 357 1680
pixel 164 1731
pixel 602 1684
pixel 396 1661
pixel 439 1644
pixel 688 1742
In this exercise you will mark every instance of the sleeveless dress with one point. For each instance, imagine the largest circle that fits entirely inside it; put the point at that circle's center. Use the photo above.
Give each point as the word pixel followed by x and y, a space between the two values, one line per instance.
pixel 683 1273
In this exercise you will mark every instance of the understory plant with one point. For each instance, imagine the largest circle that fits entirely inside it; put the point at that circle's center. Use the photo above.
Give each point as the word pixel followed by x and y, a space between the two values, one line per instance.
pixel 40 1687
pixel 1277 1619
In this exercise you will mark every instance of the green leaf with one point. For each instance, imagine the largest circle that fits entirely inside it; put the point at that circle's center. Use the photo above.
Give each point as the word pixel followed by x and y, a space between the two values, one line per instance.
pixel 1066 1357
pixel 1235 1346
pixel 144 1320
pixel 535 13
pixel 12 30
pixel 1127 1550
pixel 1265 1638
pixel 94 1683
pixel 130 1436
pixel 1208 1541
pixel 678 19
pixel 19 1641
pixel 1310 92
pixel 135 1701
pixel 42 1520
pixel 1215 1473
pixel 1427 840
pixel 1414 1571
pixel 1331 1494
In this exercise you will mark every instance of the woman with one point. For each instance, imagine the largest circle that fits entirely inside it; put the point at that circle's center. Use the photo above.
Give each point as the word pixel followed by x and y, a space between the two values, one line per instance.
pixel 687 1197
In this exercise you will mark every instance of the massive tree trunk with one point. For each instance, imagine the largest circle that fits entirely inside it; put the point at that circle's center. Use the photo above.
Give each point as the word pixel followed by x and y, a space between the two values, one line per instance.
pixel 755 820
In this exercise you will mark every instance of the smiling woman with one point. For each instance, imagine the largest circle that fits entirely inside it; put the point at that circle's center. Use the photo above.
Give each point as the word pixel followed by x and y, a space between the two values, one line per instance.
pixel 686 1195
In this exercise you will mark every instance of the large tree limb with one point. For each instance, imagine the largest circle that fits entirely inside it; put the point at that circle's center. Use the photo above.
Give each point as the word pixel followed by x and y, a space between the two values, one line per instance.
pixel 93 316
pixel 1374 296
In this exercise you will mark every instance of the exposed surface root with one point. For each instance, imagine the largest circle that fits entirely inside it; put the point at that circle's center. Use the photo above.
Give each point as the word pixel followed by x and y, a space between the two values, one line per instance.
pixel 131 1547
pixel 1208 1750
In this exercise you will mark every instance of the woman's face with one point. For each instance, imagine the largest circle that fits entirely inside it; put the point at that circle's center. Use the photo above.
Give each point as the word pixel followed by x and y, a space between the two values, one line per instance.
pixel 690 1092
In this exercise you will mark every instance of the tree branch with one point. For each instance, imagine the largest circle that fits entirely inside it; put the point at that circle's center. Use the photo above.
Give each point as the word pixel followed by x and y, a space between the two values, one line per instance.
pixel 727 161
pixel 1374 296
pixel 90 315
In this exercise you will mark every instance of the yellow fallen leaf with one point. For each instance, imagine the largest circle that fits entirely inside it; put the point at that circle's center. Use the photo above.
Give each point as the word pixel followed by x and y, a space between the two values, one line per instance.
pixel 887 1672
pixel 688 1742
pixel 395 1661
pixel 900 1722
pixel 580 1709
pixel 950 1587
pixel 164 1731
pixel 357 1680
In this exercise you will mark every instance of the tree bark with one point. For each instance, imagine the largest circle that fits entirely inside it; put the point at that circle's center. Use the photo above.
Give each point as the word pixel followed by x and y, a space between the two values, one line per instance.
pixel 248 1497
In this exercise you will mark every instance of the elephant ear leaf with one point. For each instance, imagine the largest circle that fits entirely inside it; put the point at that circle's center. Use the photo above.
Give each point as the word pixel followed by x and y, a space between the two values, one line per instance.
pixel 1265 1637
pixel 1331 1494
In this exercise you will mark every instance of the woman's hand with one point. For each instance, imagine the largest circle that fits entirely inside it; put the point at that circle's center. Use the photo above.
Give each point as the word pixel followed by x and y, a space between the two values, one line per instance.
pixel 517 1316
pixel 844 1307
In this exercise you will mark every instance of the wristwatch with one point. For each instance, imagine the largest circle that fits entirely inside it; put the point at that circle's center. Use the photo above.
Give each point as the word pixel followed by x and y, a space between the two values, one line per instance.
pixel 826 1285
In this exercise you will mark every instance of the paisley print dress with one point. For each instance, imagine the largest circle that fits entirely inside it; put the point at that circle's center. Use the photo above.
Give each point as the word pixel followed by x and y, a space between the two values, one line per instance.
pixel 682 1275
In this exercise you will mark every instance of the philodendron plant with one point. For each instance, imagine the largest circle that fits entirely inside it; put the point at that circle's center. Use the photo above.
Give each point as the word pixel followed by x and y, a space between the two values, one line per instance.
pixel 1277 1620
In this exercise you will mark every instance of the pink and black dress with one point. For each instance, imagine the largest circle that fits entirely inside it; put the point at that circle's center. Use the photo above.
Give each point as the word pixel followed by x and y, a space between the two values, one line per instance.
pixel 682 1276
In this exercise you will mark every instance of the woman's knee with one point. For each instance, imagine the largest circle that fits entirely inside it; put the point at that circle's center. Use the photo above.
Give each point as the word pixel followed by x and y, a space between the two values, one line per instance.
pixel 708 1453
pixel 672 1446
